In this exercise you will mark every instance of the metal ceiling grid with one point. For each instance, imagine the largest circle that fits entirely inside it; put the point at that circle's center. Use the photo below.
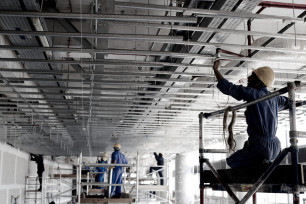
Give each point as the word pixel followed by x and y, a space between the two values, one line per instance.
pixel 11 23
pixel 135 100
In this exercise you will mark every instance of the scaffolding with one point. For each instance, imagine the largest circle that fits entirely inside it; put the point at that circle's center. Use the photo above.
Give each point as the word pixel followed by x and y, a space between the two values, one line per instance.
pixel 293 175
pixel 54 188
pixel 137 187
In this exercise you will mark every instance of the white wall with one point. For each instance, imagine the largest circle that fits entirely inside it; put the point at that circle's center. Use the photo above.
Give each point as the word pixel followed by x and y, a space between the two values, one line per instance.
pixel 13 171
pixel 15 166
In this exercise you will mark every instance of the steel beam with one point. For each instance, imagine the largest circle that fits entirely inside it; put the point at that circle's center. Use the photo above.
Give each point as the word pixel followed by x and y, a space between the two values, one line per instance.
pixel 208 12
pixel 207 29
pixel 137 37
pixel 89 16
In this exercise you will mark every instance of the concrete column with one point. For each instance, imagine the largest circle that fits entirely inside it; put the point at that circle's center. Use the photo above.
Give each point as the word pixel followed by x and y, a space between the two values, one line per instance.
pixel 183 175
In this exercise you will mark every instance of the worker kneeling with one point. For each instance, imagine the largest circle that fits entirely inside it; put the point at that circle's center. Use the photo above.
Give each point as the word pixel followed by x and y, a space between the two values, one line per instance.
pixel 261 118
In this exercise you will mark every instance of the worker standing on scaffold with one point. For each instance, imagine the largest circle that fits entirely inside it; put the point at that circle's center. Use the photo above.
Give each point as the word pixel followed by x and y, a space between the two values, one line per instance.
pixel 261 118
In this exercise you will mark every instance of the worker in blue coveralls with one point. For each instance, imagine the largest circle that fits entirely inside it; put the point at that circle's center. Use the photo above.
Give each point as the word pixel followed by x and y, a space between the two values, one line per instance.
pixel 101 170
pixel 261 118
pixel 160 162
pixel 117 158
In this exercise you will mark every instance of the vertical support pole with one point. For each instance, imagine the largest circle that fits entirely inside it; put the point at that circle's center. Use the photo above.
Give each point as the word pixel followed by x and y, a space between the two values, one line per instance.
pixel 293 141
pixel 254 198
pixel 87 186
pixel 80 178
pixel 167 182
pixel 201 157
pixel 77 179
pixel 137 177
pixel 110 177
pixel 249 23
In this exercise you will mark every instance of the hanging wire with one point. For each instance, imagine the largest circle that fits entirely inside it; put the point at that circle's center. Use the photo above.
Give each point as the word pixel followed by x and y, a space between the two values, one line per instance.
pixel 294 25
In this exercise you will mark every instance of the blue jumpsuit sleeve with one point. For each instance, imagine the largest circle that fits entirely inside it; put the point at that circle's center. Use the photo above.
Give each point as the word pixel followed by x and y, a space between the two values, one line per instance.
pixel 238 92
pixel 282 102
pixel 125 160
pixel 114 158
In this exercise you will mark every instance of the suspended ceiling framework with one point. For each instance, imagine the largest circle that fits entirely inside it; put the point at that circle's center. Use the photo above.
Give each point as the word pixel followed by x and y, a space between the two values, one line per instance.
pixel 82 75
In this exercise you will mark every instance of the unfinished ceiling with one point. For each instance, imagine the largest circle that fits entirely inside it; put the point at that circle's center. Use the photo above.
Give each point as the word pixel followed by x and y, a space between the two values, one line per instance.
pixel 81 75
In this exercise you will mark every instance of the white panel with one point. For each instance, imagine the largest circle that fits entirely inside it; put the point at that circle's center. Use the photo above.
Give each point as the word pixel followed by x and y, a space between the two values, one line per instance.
pixel 8 170
pixel 22 164
pixel 3 197
pixel 1 166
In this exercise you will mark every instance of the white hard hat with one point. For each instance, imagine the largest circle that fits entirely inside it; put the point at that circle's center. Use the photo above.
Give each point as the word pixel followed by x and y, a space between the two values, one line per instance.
pixel 117 146
pixel 266 75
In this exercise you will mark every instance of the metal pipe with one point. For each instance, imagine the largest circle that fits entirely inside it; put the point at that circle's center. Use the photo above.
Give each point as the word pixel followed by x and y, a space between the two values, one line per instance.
pixel 107 165
pixel 249 36
pixel 110 182
pixel 218 177
pixel 103 62
pixel 201 158
pixel 274 4
pixel 206 29
pixel 208 12
pixel 293 141
pixel 137 37
pixel 161 53
pixel 266 97
pixel 137 177
pixel 254 198
pixel 213 151
pixel 265 175
pixel 89 16
pixel 108 51
pixel 80 178
pixel 219 45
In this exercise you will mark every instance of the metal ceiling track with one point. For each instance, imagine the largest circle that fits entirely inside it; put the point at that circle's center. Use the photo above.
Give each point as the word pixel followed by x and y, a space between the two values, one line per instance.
pixel 104 81
pixel 208 12
pixel 76 103
pixel 155 53
pixel 137 73
pixel 90 16
pixel 121 90
pixel 103 62
pixel 211 30
pixel 107 51
pixel 136 37
pixel 203 44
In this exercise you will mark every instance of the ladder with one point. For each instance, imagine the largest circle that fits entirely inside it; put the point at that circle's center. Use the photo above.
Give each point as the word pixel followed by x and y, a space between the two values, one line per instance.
pixel 31 193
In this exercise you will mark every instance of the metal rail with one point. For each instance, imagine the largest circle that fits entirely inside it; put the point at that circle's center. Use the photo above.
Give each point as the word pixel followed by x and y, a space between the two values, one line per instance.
pixel 89 16
pixel 244 105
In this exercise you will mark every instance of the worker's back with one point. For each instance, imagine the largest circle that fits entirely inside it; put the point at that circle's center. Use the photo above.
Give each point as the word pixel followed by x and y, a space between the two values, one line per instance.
pixel 118 158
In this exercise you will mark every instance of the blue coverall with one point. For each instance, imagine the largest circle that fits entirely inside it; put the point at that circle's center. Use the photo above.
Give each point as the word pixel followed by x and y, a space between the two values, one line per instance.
pixel 262 121
pixel 160 162
pixel 101 170
pixel 117 158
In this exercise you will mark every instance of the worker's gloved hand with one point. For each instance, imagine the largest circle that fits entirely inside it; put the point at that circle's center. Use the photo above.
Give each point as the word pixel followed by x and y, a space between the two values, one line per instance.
pixel 154 153
pixel 216 64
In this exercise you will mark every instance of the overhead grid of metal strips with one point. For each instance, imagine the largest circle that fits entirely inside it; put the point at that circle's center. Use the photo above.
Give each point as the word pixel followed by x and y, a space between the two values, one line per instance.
pixel 147 100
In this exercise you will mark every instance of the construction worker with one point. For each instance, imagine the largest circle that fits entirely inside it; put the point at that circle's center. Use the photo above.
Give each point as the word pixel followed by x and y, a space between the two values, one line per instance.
pixel 101 170
pixel 261 118
pixel 117 158
pixel 160 162
pixel 40 167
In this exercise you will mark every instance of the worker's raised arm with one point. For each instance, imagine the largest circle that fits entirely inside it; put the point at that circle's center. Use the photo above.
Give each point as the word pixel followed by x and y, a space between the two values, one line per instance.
pixel 216 70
